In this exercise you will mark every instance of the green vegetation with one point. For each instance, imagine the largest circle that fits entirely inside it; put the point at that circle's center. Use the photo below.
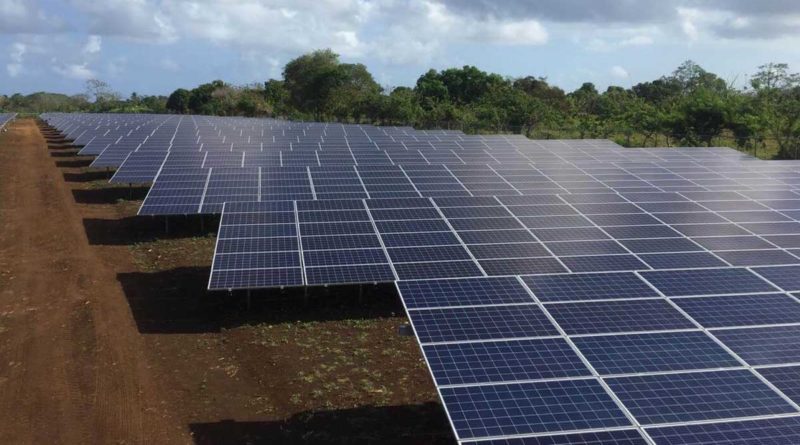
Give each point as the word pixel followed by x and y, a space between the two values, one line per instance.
pixel 690 106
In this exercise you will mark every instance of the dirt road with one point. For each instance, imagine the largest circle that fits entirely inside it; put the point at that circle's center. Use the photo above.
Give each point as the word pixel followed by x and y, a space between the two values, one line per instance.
pixel 73 368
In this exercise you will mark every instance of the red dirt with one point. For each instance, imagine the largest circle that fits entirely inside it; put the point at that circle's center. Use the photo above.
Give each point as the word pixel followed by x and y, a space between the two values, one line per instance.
pixel 107 334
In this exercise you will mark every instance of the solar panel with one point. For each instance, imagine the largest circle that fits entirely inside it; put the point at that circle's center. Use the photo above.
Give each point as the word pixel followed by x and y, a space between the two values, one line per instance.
pixel 480 323
pixel 695 396
pixel 530 408
pixel 777 431
pixel 706 282
pixel 589 287
pixel 763 346
pixel 617 437
pixel 502 361
pixel 742 310
pixel 654 352
pixel 618 316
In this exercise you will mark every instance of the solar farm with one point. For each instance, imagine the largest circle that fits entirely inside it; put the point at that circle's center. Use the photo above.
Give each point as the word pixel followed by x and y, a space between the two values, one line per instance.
pixel 560 291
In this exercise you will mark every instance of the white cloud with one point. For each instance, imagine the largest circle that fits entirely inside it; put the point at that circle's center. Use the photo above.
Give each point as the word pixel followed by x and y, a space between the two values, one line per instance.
pixel 619 72
pixel 15 56
pixel 73 70
pixel 26 17
pixel 688 17
pixel 93 45
pixel 140 20
pixel 639 40
pixel 528 32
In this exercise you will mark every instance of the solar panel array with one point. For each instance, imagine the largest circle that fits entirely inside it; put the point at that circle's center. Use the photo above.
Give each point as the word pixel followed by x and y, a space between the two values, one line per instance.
pixel 612 315
pixel 5 118
pixel 562 292
pixel 198 162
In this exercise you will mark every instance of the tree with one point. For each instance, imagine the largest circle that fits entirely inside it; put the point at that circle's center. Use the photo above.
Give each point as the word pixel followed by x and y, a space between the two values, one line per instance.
pixel 310 78
pixel 356 94
pixel 660 92
pixel 401 107
pixel 700 117
pixel 431 89
pixel 691 76
pixel 538 87
pixel 465 85
pixel 178 101
pixel 100 91
pixel 774 76
pixel 277 97
pixel 777 100
pixel 201 98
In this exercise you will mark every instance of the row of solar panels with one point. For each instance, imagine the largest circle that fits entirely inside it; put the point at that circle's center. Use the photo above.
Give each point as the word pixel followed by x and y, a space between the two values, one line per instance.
pixel 113 138
pixel 5 118
pixel 284 243
pixel 142 166
pixel 191 190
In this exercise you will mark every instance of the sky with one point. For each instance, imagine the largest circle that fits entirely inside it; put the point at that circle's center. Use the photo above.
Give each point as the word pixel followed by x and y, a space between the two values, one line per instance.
pixel 156 46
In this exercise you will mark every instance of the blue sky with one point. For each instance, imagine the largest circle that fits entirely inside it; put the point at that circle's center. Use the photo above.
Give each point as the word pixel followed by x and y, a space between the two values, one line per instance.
pixel 155 46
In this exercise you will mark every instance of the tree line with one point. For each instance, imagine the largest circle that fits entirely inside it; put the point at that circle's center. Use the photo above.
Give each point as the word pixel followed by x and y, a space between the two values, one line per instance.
pixel 689 106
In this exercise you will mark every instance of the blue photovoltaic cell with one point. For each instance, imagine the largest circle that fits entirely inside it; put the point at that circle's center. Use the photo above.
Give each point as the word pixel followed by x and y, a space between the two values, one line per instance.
pixel 572 234
pixel 706 282
pixel 257 231
pixel 598 286
pixel 496 236
pixel 263 260
pixel 763 346
pixel 255 278
pixel 696 396
pixel 313 258
pixel 347 228
pixel 480 323
pixel 628 232
pixel 522 266
pixel 502 361
pixel 543 222
pixel 624 219
pixel 742 310
pixel 369 273
pixel 619 437
pixel 600 263
pixel 617 316
pixel 661 245
pixel 524 408
pixel 439 269
pixel 710 230
pixel 669 351
pixel 732 242
pixel 785 378
pixel 758 257
pixel 787 278
pixel 462 292
pixel 420 254
pixel 517 250
pixel 777 431
pixel 419 239
pixel 341 242
pixel 255 245
pixel 681 260
pixel 604 247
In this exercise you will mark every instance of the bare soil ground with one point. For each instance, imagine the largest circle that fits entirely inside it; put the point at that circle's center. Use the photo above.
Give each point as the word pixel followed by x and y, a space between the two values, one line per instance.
pixel 107 334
